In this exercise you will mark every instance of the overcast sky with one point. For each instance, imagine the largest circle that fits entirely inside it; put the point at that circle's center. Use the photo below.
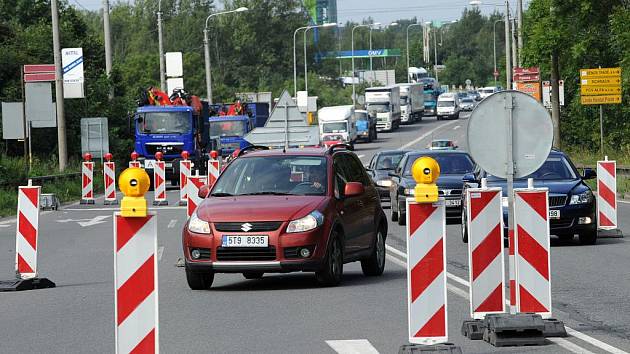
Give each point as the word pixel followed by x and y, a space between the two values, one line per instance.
pixel 381 11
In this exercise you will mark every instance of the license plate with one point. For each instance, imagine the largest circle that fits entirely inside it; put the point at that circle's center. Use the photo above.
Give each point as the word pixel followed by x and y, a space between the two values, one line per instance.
pixel 554 214
pixel 454 202
pixel 149 164
pixel 245 241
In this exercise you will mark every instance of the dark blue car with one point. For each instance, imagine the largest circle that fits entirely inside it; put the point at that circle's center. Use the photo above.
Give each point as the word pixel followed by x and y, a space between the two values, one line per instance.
pixel 571 201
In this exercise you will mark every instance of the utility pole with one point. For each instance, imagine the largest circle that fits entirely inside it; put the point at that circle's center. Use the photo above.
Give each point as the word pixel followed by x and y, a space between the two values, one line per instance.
pixel 435 56
pixel 555 98
pixel 519 14
pixel 514 44
pixel 61 119
pixel 508 60
pixel 161 47
pixel 108 44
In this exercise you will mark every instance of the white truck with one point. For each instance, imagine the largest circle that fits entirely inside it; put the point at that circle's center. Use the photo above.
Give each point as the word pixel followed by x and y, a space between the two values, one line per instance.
pixel 411 102
pixel 337 124
pixel 384 104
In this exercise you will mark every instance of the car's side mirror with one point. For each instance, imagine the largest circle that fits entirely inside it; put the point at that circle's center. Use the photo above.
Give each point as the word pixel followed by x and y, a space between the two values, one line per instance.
pixel 353 189
pixel 589 173
pixel 469 178
pixel 203 191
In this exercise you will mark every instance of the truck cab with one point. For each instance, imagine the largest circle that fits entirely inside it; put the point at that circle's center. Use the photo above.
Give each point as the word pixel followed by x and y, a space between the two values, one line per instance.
pixel 337 124
pixel 231 126
pixel 383 103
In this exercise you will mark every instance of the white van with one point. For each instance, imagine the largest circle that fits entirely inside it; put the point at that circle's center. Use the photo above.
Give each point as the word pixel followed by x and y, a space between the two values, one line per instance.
pixel 338 121
pixel 448 106
pixel 487 91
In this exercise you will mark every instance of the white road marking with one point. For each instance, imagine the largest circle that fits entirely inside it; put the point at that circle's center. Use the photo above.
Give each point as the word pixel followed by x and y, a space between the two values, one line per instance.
pixel 160 252
pixel 570 346
pixel 417 140
pixel 623 201
pixel 354 346
pixel 172 223
pixel 572 332
pixel 99 219
pixel 457 127
pixel 118 209
pixel 360 156
pixel 7 223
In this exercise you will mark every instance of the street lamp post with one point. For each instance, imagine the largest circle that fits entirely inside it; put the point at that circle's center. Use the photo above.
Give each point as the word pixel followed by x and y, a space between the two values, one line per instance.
pixel 207 50
pixel 411 25
pixel 370 53
pixel 325 25
pixel 161 47
pixel 494 46
pixel 354 98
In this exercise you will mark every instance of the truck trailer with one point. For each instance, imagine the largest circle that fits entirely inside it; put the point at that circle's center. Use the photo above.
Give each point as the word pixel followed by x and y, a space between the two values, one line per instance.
pixel 411 103
pixel 383 103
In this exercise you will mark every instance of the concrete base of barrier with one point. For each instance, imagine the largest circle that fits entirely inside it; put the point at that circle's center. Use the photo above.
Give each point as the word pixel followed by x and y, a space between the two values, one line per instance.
pixel 554 328
pixel 614 233
pixel 504 330
pixel 86 201
pixel 110 202
pixel 473 329
pixel 25 284
pixel 446 348
pixel 160 202
pixel 182 203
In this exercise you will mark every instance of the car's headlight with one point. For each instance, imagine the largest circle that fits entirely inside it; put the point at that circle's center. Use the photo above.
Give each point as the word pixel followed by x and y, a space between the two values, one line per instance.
pixel 409 191
pixel 197 225
pixel 307 223
pixel 582 198
pixel 384 182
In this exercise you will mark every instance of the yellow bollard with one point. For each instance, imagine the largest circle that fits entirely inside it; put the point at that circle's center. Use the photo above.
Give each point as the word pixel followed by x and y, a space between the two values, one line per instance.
pixel 134 184
pixel 425 171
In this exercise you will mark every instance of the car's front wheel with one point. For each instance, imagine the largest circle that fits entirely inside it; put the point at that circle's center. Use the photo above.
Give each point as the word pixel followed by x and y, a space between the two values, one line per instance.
pixel 464 227
pixel 394 213
pixel 199 280
pixel 332 269
pixel 375 264
pixel 402 215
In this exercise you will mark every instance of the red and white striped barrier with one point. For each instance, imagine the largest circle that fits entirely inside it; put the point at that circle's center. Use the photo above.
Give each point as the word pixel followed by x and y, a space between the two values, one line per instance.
pixel 27 231
pixel 87 185
pixel 426 272
pixel 109 179
pixel 214 170
pixel 607 195
pixel 533 270
pixel 184 172
pixel 512 271
pixel 485 251
pixel 159 180
pixel 136 282
pixel 194 183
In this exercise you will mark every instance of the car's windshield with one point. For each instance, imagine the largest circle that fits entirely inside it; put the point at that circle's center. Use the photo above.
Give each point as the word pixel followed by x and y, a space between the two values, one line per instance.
pixel 336 127
pixel 428 96
pixel 450 164
pixel 227 128
pixel 446 103
pixel 164 123
pixel 361 115
pixel 403 101
pixel 467 100
pixel 441 143
pixel 273 175
pixel 378 108
pixel 388 161
pixel 487 90
pixel 554 168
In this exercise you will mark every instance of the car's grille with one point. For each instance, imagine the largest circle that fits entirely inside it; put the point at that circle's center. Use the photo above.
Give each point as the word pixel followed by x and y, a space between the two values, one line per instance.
pixel 246 254
pixel 166 149
pixel 557 201
pixel 562 223
pixel 245 226
pixel 450 192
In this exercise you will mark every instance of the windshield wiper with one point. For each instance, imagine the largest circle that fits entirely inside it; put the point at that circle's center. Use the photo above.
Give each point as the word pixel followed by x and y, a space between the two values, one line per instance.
pixel 267 193
pixel 221 194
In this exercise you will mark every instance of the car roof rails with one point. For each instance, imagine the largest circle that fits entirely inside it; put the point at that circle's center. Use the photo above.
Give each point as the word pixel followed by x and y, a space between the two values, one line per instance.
pixel 332 148
pixel 252 148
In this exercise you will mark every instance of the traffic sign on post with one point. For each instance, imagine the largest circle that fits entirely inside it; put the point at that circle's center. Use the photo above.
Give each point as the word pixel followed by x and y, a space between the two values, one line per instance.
pixel 600 86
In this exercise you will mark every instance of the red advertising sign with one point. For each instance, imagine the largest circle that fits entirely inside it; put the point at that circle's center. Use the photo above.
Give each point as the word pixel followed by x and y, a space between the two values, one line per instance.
pixel 526 77
pixel 39 77
pixel 39 68
pixel 526 71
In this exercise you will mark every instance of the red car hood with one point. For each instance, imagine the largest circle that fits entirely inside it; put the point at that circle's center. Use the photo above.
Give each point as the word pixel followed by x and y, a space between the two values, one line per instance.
pixel 257 208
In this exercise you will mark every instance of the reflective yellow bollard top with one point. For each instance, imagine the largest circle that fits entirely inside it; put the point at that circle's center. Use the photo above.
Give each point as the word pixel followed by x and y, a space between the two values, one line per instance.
pixel 133 183
pixel 425 171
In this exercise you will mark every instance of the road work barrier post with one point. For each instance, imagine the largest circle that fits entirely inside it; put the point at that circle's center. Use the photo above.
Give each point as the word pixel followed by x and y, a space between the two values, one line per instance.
pixel 134 160
pixel 184 173
pixel 135 268
pixel 214 167
pixel 426 264
pixel 159 179
pixel 26 243
pixel 607 198
pixel 485 257
pixel 87 179
pixel 194 184
pixel 109 179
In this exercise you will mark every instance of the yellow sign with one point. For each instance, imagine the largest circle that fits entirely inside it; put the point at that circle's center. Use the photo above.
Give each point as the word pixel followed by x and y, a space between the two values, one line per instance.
pixel 601 81
pixel 603 72
pixel 605 99
pixel 600 90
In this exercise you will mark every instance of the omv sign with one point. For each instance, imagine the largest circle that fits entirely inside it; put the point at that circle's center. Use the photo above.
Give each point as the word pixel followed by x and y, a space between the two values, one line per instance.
pixel 375 52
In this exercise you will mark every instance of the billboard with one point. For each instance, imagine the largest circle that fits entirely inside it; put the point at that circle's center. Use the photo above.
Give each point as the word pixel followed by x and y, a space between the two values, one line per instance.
pixel 72 62
pixel 321 11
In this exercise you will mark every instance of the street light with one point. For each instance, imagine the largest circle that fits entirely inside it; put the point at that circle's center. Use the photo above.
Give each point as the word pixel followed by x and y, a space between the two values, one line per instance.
pixel 370 52
pixel 411 25
pixel 305 28
pixel 325 25
pixel 161 47
pixel 207 50
pixel 354 99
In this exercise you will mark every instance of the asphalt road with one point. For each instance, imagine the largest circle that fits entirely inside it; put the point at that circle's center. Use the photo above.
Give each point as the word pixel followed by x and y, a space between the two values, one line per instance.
pixel 289 313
